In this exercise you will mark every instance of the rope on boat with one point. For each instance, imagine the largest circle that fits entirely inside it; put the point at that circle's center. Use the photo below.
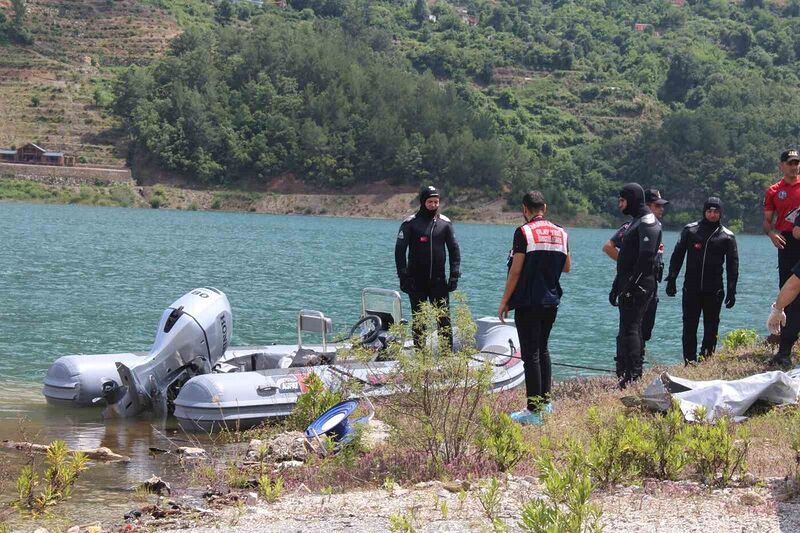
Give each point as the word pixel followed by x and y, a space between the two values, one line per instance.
pixel 581 367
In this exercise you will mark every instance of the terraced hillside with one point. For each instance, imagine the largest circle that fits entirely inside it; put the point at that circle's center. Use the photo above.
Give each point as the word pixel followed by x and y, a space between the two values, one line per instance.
pixel 53 92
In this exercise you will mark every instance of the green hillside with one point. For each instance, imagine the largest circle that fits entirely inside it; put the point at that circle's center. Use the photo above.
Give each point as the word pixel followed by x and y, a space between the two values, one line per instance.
pixel 496 95
pixel 53 90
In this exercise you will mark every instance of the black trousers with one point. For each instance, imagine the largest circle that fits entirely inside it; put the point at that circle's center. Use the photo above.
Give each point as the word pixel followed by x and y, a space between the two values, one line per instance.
pixel 437 295
pixel 630 355
pixel 709 304
pixel 788 258
pixel 533 328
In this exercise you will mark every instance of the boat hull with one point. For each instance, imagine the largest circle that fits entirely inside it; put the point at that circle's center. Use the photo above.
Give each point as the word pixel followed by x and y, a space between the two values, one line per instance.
pixel 241 400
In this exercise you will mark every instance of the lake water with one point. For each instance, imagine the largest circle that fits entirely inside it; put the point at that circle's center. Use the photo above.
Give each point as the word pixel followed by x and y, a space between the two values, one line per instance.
pixel 96 280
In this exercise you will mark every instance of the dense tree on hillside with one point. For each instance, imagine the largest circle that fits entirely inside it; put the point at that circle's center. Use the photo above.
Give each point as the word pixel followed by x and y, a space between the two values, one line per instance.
pixel 497 94
pixel 308 100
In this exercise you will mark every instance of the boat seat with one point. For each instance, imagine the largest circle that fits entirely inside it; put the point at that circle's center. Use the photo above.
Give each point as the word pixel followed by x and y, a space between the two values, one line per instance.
pixel 313 322
pixel 309 357
pixel 267 361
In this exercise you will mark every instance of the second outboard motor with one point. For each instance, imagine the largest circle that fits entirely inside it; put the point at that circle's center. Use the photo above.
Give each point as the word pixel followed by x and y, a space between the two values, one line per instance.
pixel 192 336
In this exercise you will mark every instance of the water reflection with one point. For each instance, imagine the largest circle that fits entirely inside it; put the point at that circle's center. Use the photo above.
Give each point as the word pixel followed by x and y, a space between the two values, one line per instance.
pixel 105 490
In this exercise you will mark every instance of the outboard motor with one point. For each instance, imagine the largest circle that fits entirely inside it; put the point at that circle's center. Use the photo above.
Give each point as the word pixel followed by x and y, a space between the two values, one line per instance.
pixel 192 336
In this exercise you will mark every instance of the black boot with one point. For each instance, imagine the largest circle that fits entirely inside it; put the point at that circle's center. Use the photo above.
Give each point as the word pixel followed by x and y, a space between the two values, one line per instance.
pixel 780 362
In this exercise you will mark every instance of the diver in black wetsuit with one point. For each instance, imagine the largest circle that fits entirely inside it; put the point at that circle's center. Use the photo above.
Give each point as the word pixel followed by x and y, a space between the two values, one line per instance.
pixel 635 281
pixel 425 236
pixel 707 245
pixel 657 205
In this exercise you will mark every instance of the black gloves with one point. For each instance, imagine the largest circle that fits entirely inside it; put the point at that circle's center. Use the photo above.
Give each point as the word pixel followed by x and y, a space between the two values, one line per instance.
pixel 672 288
pixel 452 284
pixel 612 297
pixel 730 300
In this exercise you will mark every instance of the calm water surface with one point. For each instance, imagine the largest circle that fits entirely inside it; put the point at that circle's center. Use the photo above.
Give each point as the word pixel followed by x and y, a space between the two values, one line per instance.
pixel 95 280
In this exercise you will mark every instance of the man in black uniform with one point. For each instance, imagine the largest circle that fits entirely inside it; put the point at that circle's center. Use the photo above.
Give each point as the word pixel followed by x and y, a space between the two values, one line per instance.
pixel 425 235
pixel 635 281
pixel 707 245
pixel 657 205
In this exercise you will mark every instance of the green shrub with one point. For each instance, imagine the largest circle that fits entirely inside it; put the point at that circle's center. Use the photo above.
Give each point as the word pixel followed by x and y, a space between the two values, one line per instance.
pixel 489 499
pixel 613 448
pixel 313 402
pixel 63 469
pixel 668 438
pixel 739 338
pixel 270 490
pixel 158 197
pixel 122 195
pixel 502 439
pixel 567 490
pixel 437 395
pixel 403 522
pixel 718 451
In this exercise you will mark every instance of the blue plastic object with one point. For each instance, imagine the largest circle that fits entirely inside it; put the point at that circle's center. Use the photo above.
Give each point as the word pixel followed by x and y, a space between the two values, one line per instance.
pixel 335 422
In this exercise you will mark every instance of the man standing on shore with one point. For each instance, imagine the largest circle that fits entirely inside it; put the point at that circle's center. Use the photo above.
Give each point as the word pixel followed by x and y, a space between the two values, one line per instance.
pixel 657 205
pixel 635 281
pixel 425 236
pixel 540 253
pixel 781 206
pixel 707 246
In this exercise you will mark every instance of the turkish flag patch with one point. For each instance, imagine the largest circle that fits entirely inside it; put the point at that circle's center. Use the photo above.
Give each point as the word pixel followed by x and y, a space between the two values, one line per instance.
pixel 424 238
pixel 698 246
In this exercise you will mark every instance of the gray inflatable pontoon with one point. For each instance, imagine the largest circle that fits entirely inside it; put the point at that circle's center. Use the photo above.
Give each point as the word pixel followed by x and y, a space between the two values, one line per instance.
pixel 190 370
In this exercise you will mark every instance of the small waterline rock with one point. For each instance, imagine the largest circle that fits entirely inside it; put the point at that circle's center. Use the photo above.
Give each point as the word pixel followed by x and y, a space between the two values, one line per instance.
pixel 156 485
pixel 189 452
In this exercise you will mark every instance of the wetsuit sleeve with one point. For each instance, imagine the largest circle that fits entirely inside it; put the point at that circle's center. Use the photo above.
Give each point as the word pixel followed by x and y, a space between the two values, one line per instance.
pixel 453 252
pixel 676 260
pixel 732 265
pixel 400 248
pixel 649 241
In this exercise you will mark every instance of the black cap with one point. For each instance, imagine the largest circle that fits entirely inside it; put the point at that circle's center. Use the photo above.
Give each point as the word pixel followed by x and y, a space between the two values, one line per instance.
pixel 426 192
pixel 792 154
pixel 712 203
pixel 652 196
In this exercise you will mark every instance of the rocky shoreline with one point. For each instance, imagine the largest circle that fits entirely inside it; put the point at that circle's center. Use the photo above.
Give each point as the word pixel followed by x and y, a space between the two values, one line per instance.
pixel 377 200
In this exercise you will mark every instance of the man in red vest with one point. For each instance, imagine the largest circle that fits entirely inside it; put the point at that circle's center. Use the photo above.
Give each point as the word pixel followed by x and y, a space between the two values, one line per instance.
pixel 540 253
pixel 781 206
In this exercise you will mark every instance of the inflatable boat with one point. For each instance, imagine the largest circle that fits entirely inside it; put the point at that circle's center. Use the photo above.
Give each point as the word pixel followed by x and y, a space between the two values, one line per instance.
pixel 191 372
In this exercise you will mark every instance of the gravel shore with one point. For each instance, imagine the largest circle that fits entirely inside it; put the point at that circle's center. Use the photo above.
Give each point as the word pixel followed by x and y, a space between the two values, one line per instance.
pixel 655 506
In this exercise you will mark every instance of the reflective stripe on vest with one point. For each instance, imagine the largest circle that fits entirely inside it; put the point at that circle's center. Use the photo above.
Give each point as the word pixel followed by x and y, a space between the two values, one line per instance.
pixel 542 235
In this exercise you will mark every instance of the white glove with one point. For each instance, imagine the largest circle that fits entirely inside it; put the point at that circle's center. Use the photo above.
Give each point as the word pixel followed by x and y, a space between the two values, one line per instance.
pixel 776 320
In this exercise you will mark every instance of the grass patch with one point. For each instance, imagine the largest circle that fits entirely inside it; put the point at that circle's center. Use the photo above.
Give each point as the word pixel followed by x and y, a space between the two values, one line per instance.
pixel 187 12
pixel 116 195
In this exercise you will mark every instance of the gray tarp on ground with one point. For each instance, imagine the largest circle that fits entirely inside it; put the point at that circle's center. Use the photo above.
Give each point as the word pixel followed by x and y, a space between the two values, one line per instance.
pixel 721 397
